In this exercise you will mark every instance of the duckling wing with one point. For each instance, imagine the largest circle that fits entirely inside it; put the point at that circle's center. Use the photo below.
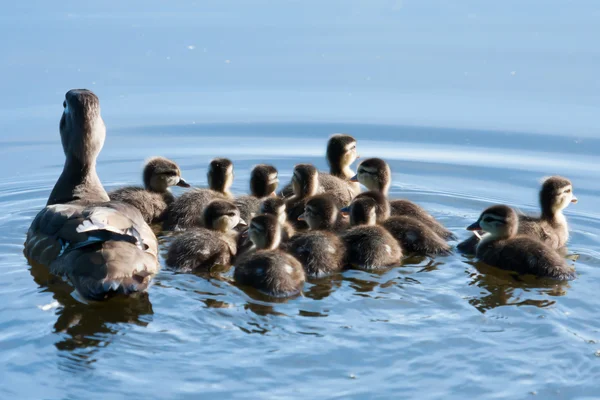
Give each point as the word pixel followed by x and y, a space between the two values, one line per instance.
pixel 152 205
pixel 99 248
pixel 407 208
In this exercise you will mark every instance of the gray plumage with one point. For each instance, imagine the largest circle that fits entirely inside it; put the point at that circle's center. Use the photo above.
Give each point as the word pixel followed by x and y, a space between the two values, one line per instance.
pixel 263 183
pixel 101 247
pixel 201 249
pixel 153 199
pixel 268 269
pixel 506 249
pixel 551 226
pixel 321 253
pixel 186 211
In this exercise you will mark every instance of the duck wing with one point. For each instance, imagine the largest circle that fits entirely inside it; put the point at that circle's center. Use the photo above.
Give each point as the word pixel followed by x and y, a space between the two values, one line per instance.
pixel 100 248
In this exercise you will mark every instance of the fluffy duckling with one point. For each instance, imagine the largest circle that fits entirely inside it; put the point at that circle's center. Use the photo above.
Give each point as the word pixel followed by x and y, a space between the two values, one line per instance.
pixel 102 247
pixel 321 213
pixel 269 270
pixel 368 245
pixel 263 183
pixel 186 211
pixel 341 153
pixel 375 174
pixel 551 226
pixel 504 248
pixel 153 199
pixel 320 251
pixel 276 206
pixel 414 237
pixel 200 249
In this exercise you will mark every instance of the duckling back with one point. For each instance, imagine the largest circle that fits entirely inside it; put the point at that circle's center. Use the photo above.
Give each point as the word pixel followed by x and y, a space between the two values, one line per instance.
pixel 271 272
pixel 201 249
pixel 371 247
pixel 186 211
pixel 525 255
pixel 321 253
pixel 152 205
pixel 416 237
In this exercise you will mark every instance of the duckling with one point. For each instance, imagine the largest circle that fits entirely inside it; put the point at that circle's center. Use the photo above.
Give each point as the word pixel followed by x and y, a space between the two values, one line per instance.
pixel 269 270
pixel 276 206
pixel 200 249
pixel 341 153
pixel 320 251
pixel 375 174
pixel 321 213
pixel 102 247
pixel 504 248
pixel 368 245
pixel 186 211
pixel 551 226
pixel 153 199
pixel 263 183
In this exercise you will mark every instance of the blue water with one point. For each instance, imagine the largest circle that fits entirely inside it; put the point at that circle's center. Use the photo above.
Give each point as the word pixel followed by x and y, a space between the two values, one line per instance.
pixel 470 103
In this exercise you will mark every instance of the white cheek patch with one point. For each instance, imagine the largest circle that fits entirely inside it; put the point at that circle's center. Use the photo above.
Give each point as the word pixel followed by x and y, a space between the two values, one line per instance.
pixel 288 269
pixel 350 145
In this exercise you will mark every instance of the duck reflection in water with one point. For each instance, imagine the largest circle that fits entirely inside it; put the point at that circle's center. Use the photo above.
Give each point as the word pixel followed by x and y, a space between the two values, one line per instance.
pixel 508 288
pixel 89 326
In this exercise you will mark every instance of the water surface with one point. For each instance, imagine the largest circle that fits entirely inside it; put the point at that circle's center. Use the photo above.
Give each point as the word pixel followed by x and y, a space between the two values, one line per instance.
pixel 425 85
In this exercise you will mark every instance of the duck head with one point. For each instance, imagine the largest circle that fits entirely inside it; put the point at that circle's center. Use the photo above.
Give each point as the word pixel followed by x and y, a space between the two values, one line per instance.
pixel 160 173
pixel 374 174
pixel 362 211
pixel 500 221
pixel 274 206
pixel 263 180
pixel 341 152
pixel 555 195
pixel 220 175
pixel 222 215
pixel 320 212
pixel 265 232
pixel 305 180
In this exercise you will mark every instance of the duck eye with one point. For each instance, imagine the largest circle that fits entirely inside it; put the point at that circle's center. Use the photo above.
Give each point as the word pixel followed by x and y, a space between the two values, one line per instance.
pixel 568 191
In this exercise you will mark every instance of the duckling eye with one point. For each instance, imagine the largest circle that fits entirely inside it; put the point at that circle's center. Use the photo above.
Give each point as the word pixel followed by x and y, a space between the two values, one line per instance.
pixel 568 191
pixel 231 214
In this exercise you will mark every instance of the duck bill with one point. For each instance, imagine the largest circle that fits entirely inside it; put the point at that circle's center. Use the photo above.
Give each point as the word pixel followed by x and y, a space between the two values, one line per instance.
pixel 301 217
pixel 354 178
pixel 242 223
pixel 574 200
pixel 474 227
pixel 345 211
pixel 183 183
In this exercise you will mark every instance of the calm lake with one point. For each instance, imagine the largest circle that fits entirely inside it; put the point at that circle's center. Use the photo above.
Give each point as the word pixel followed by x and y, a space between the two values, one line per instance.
pixel 471 104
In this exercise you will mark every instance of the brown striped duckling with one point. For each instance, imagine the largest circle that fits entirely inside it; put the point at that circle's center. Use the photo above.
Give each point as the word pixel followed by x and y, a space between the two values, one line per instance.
pixel 276 206
pixel 375 175
pixel 413 236
pixel 320 251
pixel 201 249
pixel 263 183
pixel 551 226
pixel 153 199
pixel 269 270
pixel 102 247
pixel 504 248
pixel 368 245
pixel 186 211
pixel 341 153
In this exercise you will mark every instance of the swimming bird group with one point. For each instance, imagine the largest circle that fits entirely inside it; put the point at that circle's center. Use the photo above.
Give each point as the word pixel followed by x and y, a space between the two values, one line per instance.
pixel 319 224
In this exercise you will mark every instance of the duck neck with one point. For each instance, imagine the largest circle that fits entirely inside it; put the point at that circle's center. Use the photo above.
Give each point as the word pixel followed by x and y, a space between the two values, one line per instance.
pixel 341 171
pixel 554 217
pixel 78 181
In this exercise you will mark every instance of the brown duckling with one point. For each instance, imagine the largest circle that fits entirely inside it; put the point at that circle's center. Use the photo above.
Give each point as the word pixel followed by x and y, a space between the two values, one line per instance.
pixel 368 245
pixel 413 236
pixel 276 206
pixel 375 174
pixel 102 247
pixel 269 270
pixel 504 248
pixel 263 183
pixel 186 211
pixel 320 251
pixel 200 249
pixel 341 153
pixel 321 213
pixel 153 199
pixel 551 226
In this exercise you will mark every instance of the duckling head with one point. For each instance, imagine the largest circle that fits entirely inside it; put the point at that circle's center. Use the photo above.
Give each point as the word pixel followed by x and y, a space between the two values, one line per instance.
pixel 555 195
pixel 263 180
pixel 274 206
pixel 305 180
pixel 374 174
pixel 82 130
pixel 160 173
pixel 222 215
pixel 320 212
pixel 363 211
pixel 341 151
pixel 265 232
pixel 220 174
pixel 500 221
